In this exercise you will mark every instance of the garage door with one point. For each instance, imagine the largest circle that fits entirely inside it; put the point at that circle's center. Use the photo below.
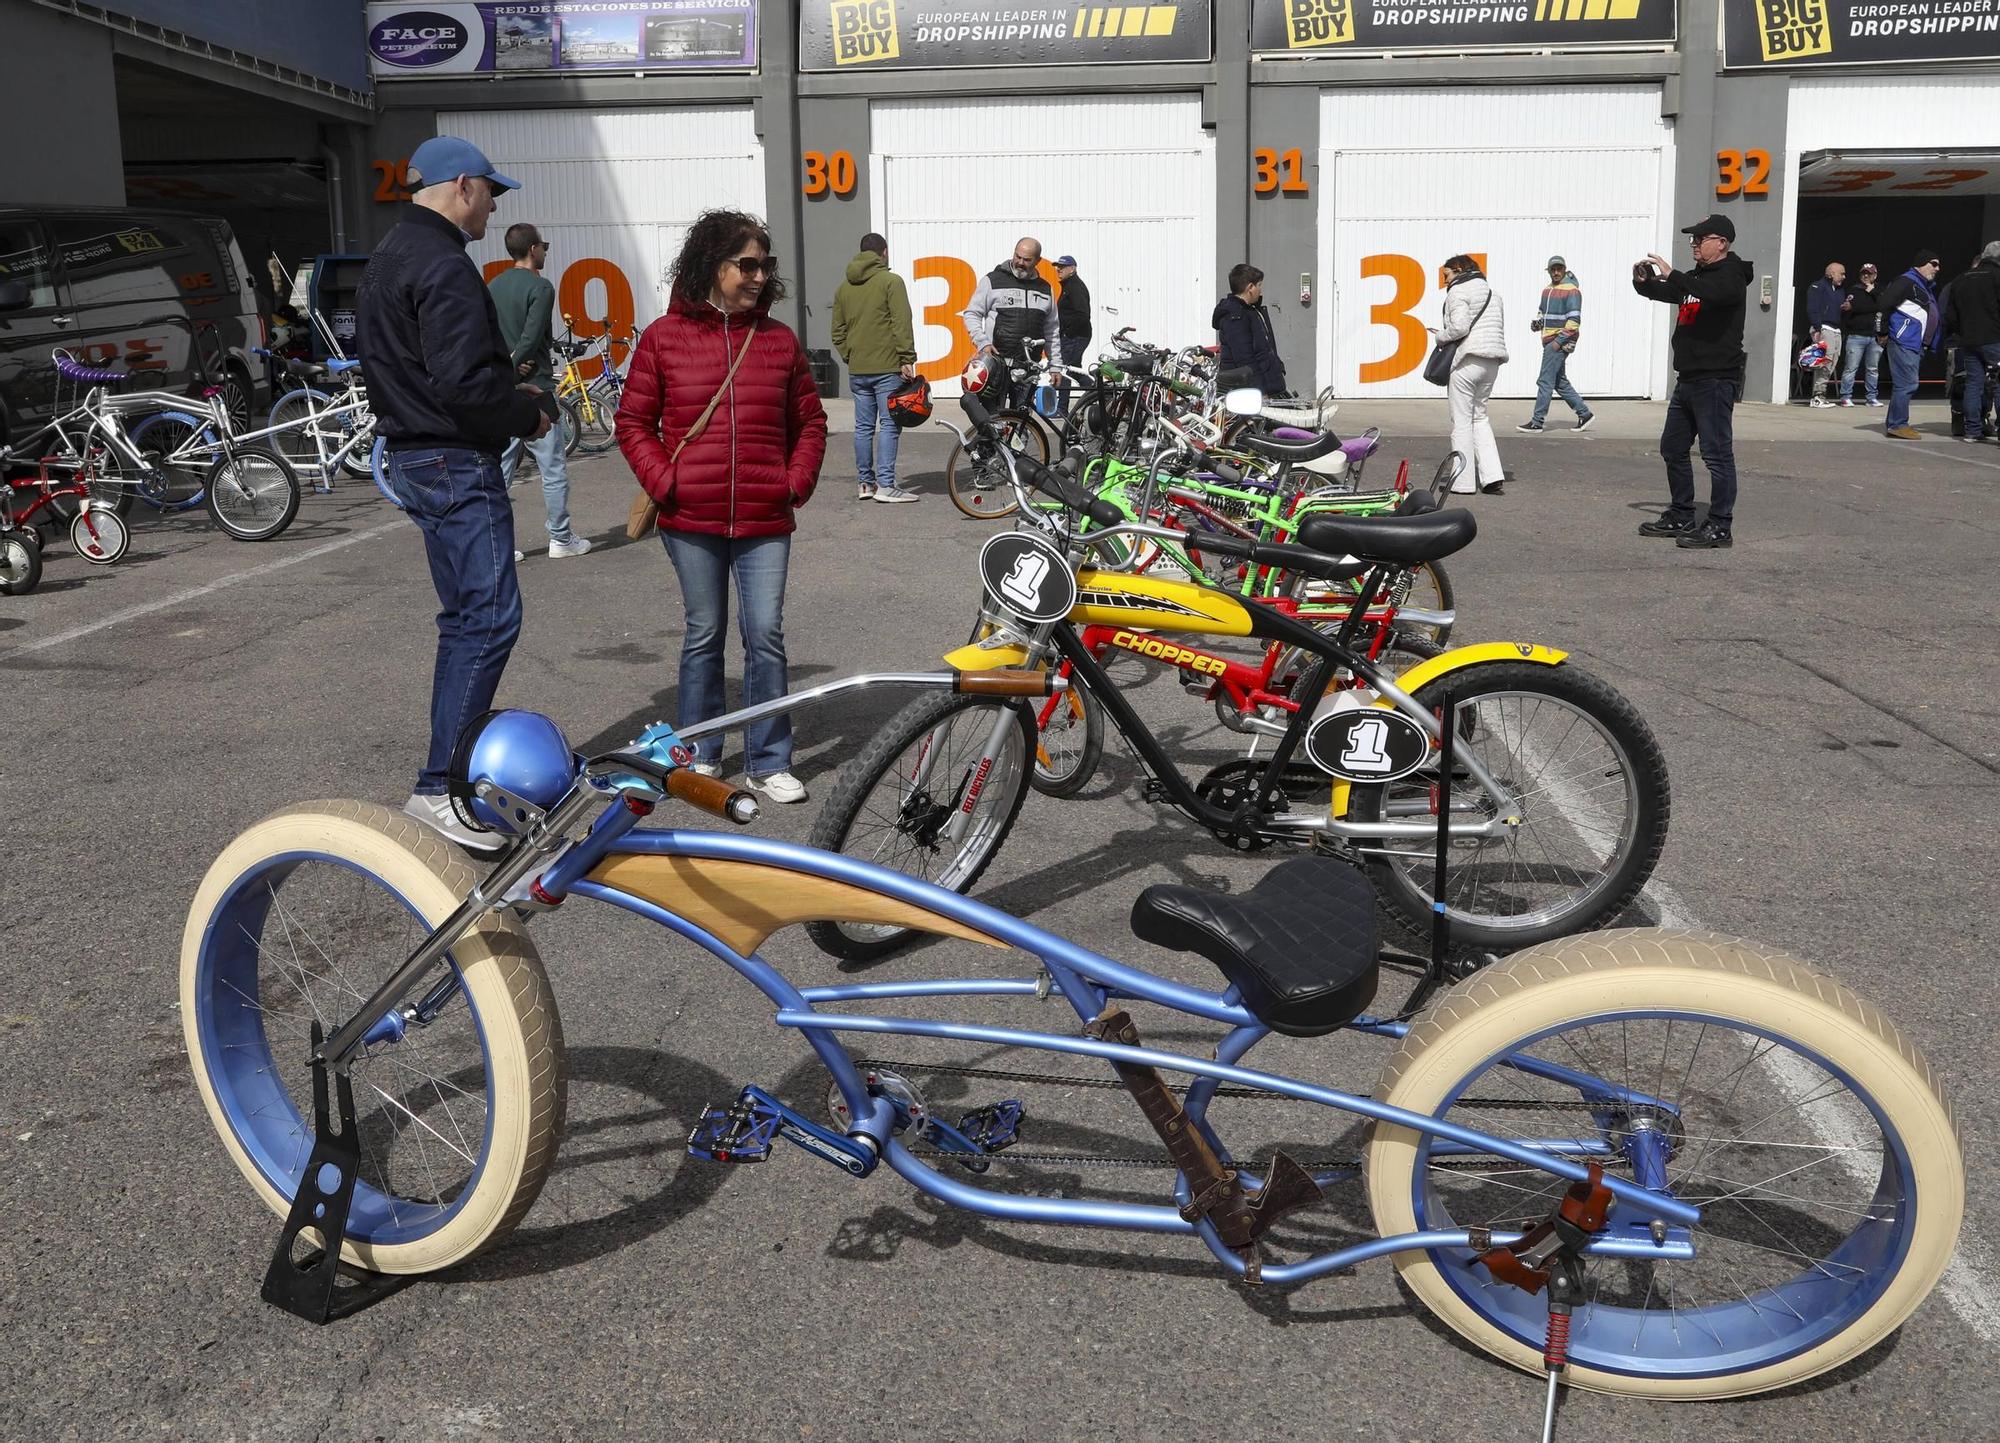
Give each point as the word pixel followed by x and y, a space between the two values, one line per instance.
pixel 1514 175
pixel 1126 185
pixel 614 192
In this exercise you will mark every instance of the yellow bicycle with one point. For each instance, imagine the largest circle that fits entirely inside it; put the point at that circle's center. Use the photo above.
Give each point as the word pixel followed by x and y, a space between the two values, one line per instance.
pixel 589 387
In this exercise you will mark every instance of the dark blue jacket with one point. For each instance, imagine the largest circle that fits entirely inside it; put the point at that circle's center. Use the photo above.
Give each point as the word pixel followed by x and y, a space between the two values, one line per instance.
pixel 1248 344
pixel 439 372
pixel 1823 304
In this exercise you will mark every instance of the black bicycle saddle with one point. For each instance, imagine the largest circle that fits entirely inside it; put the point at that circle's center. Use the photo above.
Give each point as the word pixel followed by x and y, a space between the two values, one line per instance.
pixel 1301 946
pixel 1408 540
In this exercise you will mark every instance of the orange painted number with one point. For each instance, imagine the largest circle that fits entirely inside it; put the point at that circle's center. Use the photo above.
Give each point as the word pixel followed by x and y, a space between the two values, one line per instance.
pixel 617 314
pixel 1742 172
pixel 1276 172
pixel 1941 180
pixel 1411 338
pixel 394 184
pixel 1848 181
pixel 960 282
pixel 826 174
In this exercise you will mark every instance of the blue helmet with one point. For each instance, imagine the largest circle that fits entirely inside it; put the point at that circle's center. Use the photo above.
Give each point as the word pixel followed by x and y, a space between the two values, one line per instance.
pixel 504 759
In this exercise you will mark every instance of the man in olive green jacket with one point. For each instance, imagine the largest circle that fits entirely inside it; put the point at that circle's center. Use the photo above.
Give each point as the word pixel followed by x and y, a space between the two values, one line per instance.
pixel 873 333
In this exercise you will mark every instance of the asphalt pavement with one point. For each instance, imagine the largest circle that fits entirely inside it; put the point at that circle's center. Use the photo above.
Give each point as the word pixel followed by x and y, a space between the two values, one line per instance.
pixel 1824 693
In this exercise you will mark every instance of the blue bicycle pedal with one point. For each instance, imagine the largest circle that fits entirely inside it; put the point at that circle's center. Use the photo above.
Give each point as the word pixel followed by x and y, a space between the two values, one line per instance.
pixel 994 1126
pixel 741 1132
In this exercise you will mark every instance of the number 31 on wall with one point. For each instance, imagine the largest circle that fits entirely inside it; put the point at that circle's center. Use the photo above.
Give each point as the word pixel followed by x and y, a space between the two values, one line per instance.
pixel 1742 172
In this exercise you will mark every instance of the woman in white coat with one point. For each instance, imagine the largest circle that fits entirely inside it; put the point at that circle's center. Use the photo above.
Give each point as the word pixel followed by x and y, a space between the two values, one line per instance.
pixel 1475 317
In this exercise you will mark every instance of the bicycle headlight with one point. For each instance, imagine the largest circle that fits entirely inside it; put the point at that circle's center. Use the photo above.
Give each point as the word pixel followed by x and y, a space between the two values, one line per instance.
pixel 506 762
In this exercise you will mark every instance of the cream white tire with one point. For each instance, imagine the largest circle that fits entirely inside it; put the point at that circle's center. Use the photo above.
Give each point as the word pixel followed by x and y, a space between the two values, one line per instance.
pixel 503 977
pixel 1675 971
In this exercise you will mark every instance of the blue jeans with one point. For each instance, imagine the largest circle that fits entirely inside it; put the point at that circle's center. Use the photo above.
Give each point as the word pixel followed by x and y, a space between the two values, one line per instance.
pixel 1555 378
pixel 1863 354
pixel 456 496
pixel 554 466
pixel 1977 359
pixel 704 564
pixel 1702 409
pixel 876 434
pixel 1903 385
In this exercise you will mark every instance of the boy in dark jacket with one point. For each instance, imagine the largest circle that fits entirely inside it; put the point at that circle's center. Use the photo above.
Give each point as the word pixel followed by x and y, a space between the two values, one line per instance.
pixel 1708 362
pixel 1861 321
pixel 1249 346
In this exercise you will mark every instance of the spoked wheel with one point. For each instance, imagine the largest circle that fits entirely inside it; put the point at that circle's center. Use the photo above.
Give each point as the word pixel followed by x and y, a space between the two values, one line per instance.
pixel 295 923
pixel 977 482
pixel 253 494
pixel 1069 740
pixel 1590 786
pixel 162 436
pixel 99 535
pixel 298 412
pixel 598 425
pixel 20 561
pixel 572 426
pixel 1811 1136
pixel 932 796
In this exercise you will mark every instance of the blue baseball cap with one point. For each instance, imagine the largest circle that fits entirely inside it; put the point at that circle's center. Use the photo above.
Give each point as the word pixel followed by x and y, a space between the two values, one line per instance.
pixel 446 157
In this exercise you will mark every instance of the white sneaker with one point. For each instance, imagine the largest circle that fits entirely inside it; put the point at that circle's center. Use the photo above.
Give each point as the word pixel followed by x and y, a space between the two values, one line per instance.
pixel 520 556
pixel 706 769
pixel 1819 403
pixel 575 546
pixel 779 787
pixel 437 814
pixel 1845 401
pixel 890 495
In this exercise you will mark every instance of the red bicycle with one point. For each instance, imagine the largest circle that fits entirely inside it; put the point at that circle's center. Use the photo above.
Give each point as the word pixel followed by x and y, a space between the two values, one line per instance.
pixel 39 505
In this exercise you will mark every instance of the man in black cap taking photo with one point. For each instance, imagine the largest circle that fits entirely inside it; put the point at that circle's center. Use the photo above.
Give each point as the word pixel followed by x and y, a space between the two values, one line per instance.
pixel 1708 366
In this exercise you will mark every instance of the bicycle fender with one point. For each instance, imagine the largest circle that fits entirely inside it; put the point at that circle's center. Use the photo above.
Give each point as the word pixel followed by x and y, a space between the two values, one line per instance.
pixel 1478 654
pixel 980 657
pixel 1457 659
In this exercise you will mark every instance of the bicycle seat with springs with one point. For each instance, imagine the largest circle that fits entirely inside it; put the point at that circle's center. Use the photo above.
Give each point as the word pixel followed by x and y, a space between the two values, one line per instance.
pixel 1301 946
pixel 318 370
pixel 1406 538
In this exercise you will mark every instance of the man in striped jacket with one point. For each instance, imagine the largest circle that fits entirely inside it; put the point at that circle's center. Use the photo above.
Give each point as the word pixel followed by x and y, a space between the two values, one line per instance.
pixel 1557 321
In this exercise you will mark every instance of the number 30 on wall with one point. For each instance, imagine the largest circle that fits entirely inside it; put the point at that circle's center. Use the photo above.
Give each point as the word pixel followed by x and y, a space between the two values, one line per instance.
pixel 826 174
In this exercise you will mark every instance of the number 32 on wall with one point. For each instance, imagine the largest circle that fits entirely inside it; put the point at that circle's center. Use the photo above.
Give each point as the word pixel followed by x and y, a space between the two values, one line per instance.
pixel 1742 172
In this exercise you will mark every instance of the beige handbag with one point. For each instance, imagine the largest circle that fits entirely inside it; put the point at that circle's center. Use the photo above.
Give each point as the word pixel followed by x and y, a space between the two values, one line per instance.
pixel 645 514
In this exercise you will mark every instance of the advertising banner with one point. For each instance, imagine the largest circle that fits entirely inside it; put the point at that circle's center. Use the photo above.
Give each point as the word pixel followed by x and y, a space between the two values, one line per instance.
pixel 854 35
pixel 467 37
pixel 1334 27
pixel 1759 34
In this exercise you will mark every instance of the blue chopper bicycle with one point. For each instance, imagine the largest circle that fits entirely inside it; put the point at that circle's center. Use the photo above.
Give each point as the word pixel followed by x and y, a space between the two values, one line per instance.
pixel 1649 1162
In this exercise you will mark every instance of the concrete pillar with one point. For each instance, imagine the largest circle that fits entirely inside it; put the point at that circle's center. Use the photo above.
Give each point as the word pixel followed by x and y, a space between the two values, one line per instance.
pixel 1284 230
pixel 57 76
pixel 778 124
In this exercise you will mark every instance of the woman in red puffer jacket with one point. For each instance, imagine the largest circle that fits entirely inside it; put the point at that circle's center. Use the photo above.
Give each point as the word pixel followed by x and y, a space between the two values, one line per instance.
pixel 727 499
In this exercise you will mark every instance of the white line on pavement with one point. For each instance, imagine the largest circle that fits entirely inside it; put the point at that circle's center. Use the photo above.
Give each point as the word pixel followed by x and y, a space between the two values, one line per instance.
pixel 147 608
pixel 1967 1283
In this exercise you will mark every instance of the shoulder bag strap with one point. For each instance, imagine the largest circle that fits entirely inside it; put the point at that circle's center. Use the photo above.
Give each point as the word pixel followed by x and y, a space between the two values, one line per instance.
pixel 701 422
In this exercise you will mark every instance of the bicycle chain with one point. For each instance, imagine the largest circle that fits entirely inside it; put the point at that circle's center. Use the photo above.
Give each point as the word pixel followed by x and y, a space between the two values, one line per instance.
pixel 1160 1162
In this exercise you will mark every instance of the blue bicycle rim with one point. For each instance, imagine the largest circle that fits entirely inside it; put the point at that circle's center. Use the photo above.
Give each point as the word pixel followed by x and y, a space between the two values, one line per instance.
pixel 248 1080
pixel 1755 1329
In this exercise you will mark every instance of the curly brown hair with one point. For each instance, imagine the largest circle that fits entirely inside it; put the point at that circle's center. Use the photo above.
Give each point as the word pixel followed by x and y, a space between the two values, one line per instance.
pixel 717 236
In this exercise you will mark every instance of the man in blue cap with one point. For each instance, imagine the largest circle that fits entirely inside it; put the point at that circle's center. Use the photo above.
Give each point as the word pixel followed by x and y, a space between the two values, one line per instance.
pixel 447 401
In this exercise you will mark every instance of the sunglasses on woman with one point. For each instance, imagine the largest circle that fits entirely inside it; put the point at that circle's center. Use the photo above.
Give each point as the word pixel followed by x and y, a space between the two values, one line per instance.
pixel 751 266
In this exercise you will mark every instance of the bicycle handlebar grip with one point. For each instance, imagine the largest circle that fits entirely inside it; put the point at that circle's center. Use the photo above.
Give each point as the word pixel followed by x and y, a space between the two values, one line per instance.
pixel 71 370
pixel 712 795
pixel 1006 682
